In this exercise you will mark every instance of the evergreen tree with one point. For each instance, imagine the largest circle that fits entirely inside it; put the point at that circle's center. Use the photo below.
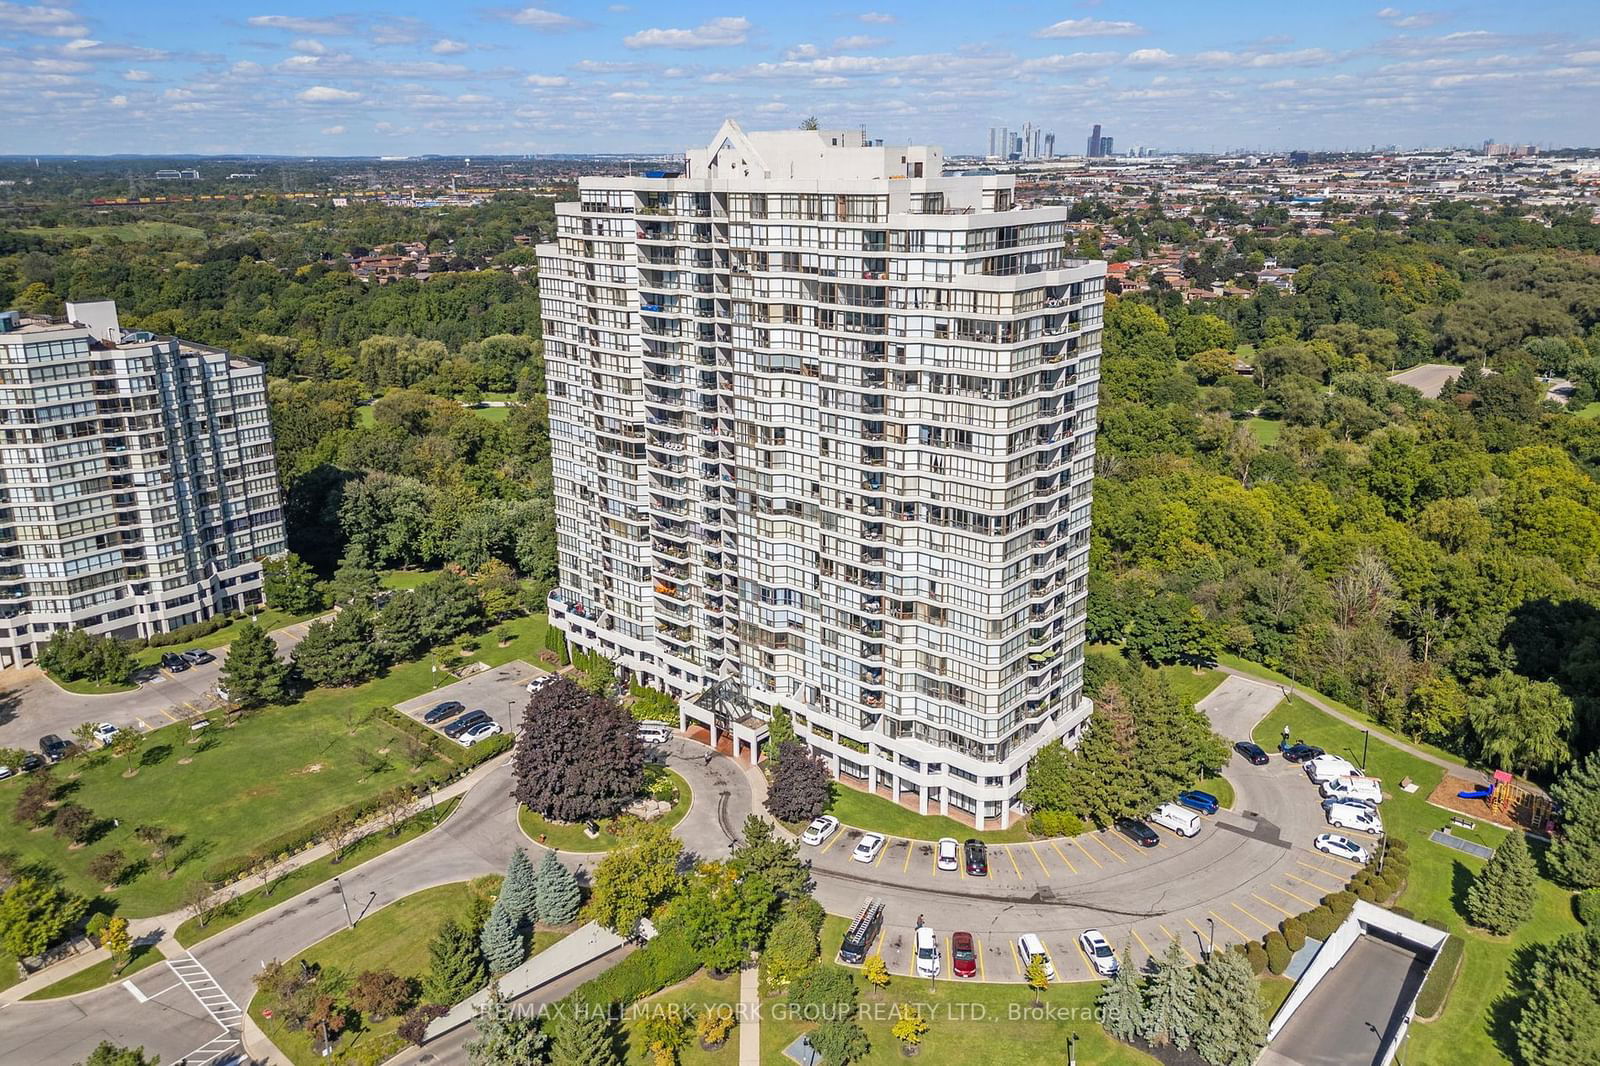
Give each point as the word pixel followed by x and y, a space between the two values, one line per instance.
pixel 557 896
pixel 1560 1020
pixel 502 940
pixel 355 582
pixel 1170 1011
pixel 506 1037
pixel 455 965
pixel 1231 1026
pixel 517 891
pixel 341 652
pixel 585 1036
pixel 1502 895
pixel 762 853
pixel 1121 1001
pixel 1575 853
pixel 401 630
pixel 252 673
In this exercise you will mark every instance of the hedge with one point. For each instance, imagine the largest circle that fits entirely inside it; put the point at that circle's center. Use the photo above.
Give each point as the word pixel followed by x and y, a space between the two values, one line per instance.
pixel 184 634
pixel 1436 989
pixel 1278 953
pixel 1586 905
pixel 665 961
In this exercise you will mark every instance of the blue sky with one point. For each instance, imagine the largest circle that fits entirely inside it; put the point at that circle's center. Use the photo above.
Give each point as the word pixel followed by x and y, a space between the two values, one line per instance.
pixel 398 77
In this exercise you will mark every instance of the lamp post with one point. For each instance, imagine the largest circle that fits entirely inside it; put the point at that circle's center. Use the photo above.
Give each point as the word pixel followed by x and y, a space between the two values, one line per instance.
pixel 1366 736
pixel 1072 1050
pixel 343 899
pixel 1212 949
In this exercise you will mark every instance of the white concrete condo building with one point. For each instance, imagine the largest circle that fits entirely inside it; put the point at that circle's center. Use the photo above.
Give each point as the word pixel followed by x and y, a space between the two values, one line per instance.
pixel 823 424
pixel 140 491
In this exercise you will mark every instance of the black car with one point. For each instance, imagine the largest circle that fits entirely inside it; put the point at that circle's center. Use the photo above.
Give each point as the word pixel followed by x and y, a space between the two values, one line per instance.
pixel 1135 830
pixel 31 762
pixel 1302 752
pixel 174 662
pixel 53 748
pixel 1253 752
pixel 448 709
pixel 977 856
pixel 466 722
pixel 197 656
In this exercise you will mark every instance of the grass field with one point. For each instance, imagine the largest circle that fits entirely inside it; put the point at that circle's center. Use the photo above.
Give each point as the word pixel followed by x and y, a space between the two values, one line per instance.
pixel 865 811
pixel 132 232
pixel 364 417
pixel 492 414
pixel 313 873
pixel 407 579
pixel 92 688
pixel 99 975
pixel 688 1000
pixel 1473 1028
pixel 1190 684
pixel 1266 430
pixel 274 770
pixel 1591 410
pixel 566 837
pixel 268 619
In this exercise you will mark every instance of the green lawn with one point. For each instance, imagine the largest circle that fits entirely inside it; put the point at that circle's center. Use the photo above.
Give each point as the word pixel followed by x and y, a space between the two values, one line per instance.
pixel 492 414
pixel 688 1000
pixel 274 770
pixel 133 232
pixel 313 873
pixel 269 618
pixel 1472 1030
pixel 100 974
pixel 364 417
pixel 1190 684
pixel 407 579
pixel 92 688
pixel 866 811
pixel 1591 410
pixel 567 837
pixel 1266 430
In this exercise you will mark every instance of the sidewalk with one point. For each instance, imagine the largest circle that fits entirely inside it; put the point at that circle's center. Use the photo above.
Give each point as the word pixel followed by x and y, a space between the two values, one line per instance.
pixel 749 1016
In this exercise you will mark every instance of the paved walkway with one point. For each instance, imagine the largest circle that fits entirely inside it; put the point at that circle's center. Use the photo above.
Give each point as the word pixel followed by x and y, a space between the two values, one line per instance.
pixel 750 1016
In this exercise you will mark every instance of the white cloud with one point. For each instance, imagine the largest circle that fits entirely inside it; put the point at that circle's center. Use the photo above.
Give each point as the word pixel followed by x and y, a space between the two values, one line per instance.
pixel 79 45
pixel 1584 57
pixel 877 18
pixel 1147 57
pixel 444 46
pixel 1091 28
pixel 546 81
pixel 715 33
pixel 331 27
pixel 332 131
pixel 1074 61
pixel 802 51
pixel 773 108
pixel 138 75
pixel 1416 20
pixel 474 98
pixel 310 47
pixel 42 21
pixel 118 101
pixel 857 41
pixel 539 18
pixel 326 94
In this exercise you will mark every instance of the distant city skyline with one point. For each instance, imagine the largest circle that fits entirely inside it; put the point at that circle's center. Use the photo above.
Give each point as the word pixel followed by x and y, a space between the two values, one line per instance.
pixel 303 79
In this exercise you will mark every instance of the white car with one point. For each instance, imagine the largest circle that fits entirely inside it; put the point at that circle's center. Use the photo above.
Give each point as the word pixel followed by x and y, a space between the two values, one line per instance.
pixel 949 853
pixel 929 962
pixel 105 733
pixel 1031 948
pixel 869 847
pixel 1362 788
pixel 820 829
pixel 5 772
pixel 1340 847
pixel 1098 951
pixel 1327 767
pixel 481 731
pixel 655 732
pixel 540 682
pixel 1345 816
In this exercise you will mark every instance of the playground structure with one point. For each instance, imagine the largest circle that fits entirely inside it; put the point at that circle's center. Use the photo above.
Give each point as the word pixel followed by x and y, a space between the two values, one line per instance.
pixel 1511 802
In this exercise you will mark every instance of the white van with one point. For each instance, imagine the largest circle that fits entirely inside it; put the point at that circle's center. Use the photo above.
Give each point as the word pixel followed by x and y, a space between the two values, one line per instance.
pixel 655 732
pixel 1327 767
pixel 1180 820
pixel 928 961
pixel 1030 947
pixel 1361 788
pixel 1344 816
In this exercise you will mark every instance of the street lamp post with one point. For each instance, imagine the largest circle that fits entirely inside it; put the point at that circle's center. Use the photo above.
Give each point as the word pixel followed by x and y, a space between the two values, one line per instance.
pixel 343 899
pixel 1212 949
pixel 1072 1050
pixel 1366 736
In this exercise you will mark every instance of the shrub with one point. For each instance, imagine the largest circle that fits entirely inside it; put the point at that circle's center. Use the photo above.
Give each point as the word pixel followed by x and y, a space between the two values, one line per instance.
pixel 666 960
pixel 415 1024
pixel 1320 923
pixel 1340 903
pixel 1056 824
pixel 184 634
pixel 1256 955
pixel 1586 905
pixel 714 1025
pixel 97 922
pixel 1436 989
pixel 1294 933
pixel 1278 953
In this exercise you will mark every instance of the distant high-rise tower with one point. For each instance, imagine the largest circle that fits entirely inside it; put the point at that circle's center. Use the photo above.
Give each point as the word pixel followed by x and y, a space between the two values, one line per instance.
pixel 1094 142
pixel 1105 146
pixel 1049 146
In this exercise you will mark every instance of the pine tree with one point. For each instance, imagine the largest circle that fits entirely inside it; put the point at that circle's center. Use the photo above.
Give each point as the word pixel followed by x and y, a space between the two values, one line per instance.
pixel 506 1037
pixel 1502 895
pixel 253 674
pixel 501 940
pixel 585 1036
pixel 1170 1013
pixel 1122 1001
pixel 518 888
pixel 1575 853
pixel 456 967
pixel 1231 1026
pixel 557 896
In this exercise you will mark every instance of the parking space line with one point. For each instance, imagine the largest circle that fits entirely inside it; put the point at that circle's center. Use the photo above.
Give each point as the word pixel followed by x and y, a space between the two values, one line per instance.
pixel 1230 925
pixel 1252 917
pixel 876 859
pixel 977 946
pixel 1142 944
pixel 1063 855
pixel 1293 896
pixel 1017 869
pixel 907 864
pixel 1321 870
pixel 1040 859
pixel 1178 942
pixel 1098 864
pixel 1274 906
pixel 936 862
pixel 1016 960
pixel 1099 838
pixel 1197 930
pixel 837 833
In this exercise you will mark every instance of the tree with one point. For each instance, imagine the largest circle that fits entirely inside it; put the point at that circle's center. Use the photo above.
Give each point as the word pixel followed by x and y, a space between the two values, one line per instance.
pixel 762 853
pixel 33 803
pixel 1121 1001
pixel 780 731
pixel 107 866
pixel 726 915
pixel 518 890
pixel 253 673
pixel 1037 978
pixel 34 914
pixel 585 1036
pixel 1559 1024
pixel 801 787
pixel 635 877
pixel 502 944
pixel 580 756
pixel 73 822
pixel 824 991
pixel 1170 1014
pixel 597 674
pixel 663 1034
pixel 875 970
pixel 380 994
pixel 1501 897
pixel 556 893
pixel 84 735
pixel 290 585
pixel 498 589
pixel 402 630
pixel 449 606
pixel 455 965
pixel 506 1037
pixel 1521 725
pixel 792 946
pixel 341 652
pixel 116 939
pixel 414 1026
pixel 910 1028
pixel 1574 856
pixel 109 1054
pixel 1231 1026
pixel 839 1041
pixel 354 582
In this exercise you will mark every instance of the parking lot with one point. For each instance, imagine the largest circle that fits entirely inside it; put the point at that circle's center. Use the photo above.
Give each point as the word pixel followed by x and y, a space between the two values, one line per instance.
pixel 501 692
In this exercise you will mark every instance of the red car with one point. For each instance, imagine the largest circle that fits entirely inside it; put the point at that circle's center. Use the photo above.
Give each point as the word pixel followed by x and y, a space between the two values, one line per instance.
pixel 964 960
